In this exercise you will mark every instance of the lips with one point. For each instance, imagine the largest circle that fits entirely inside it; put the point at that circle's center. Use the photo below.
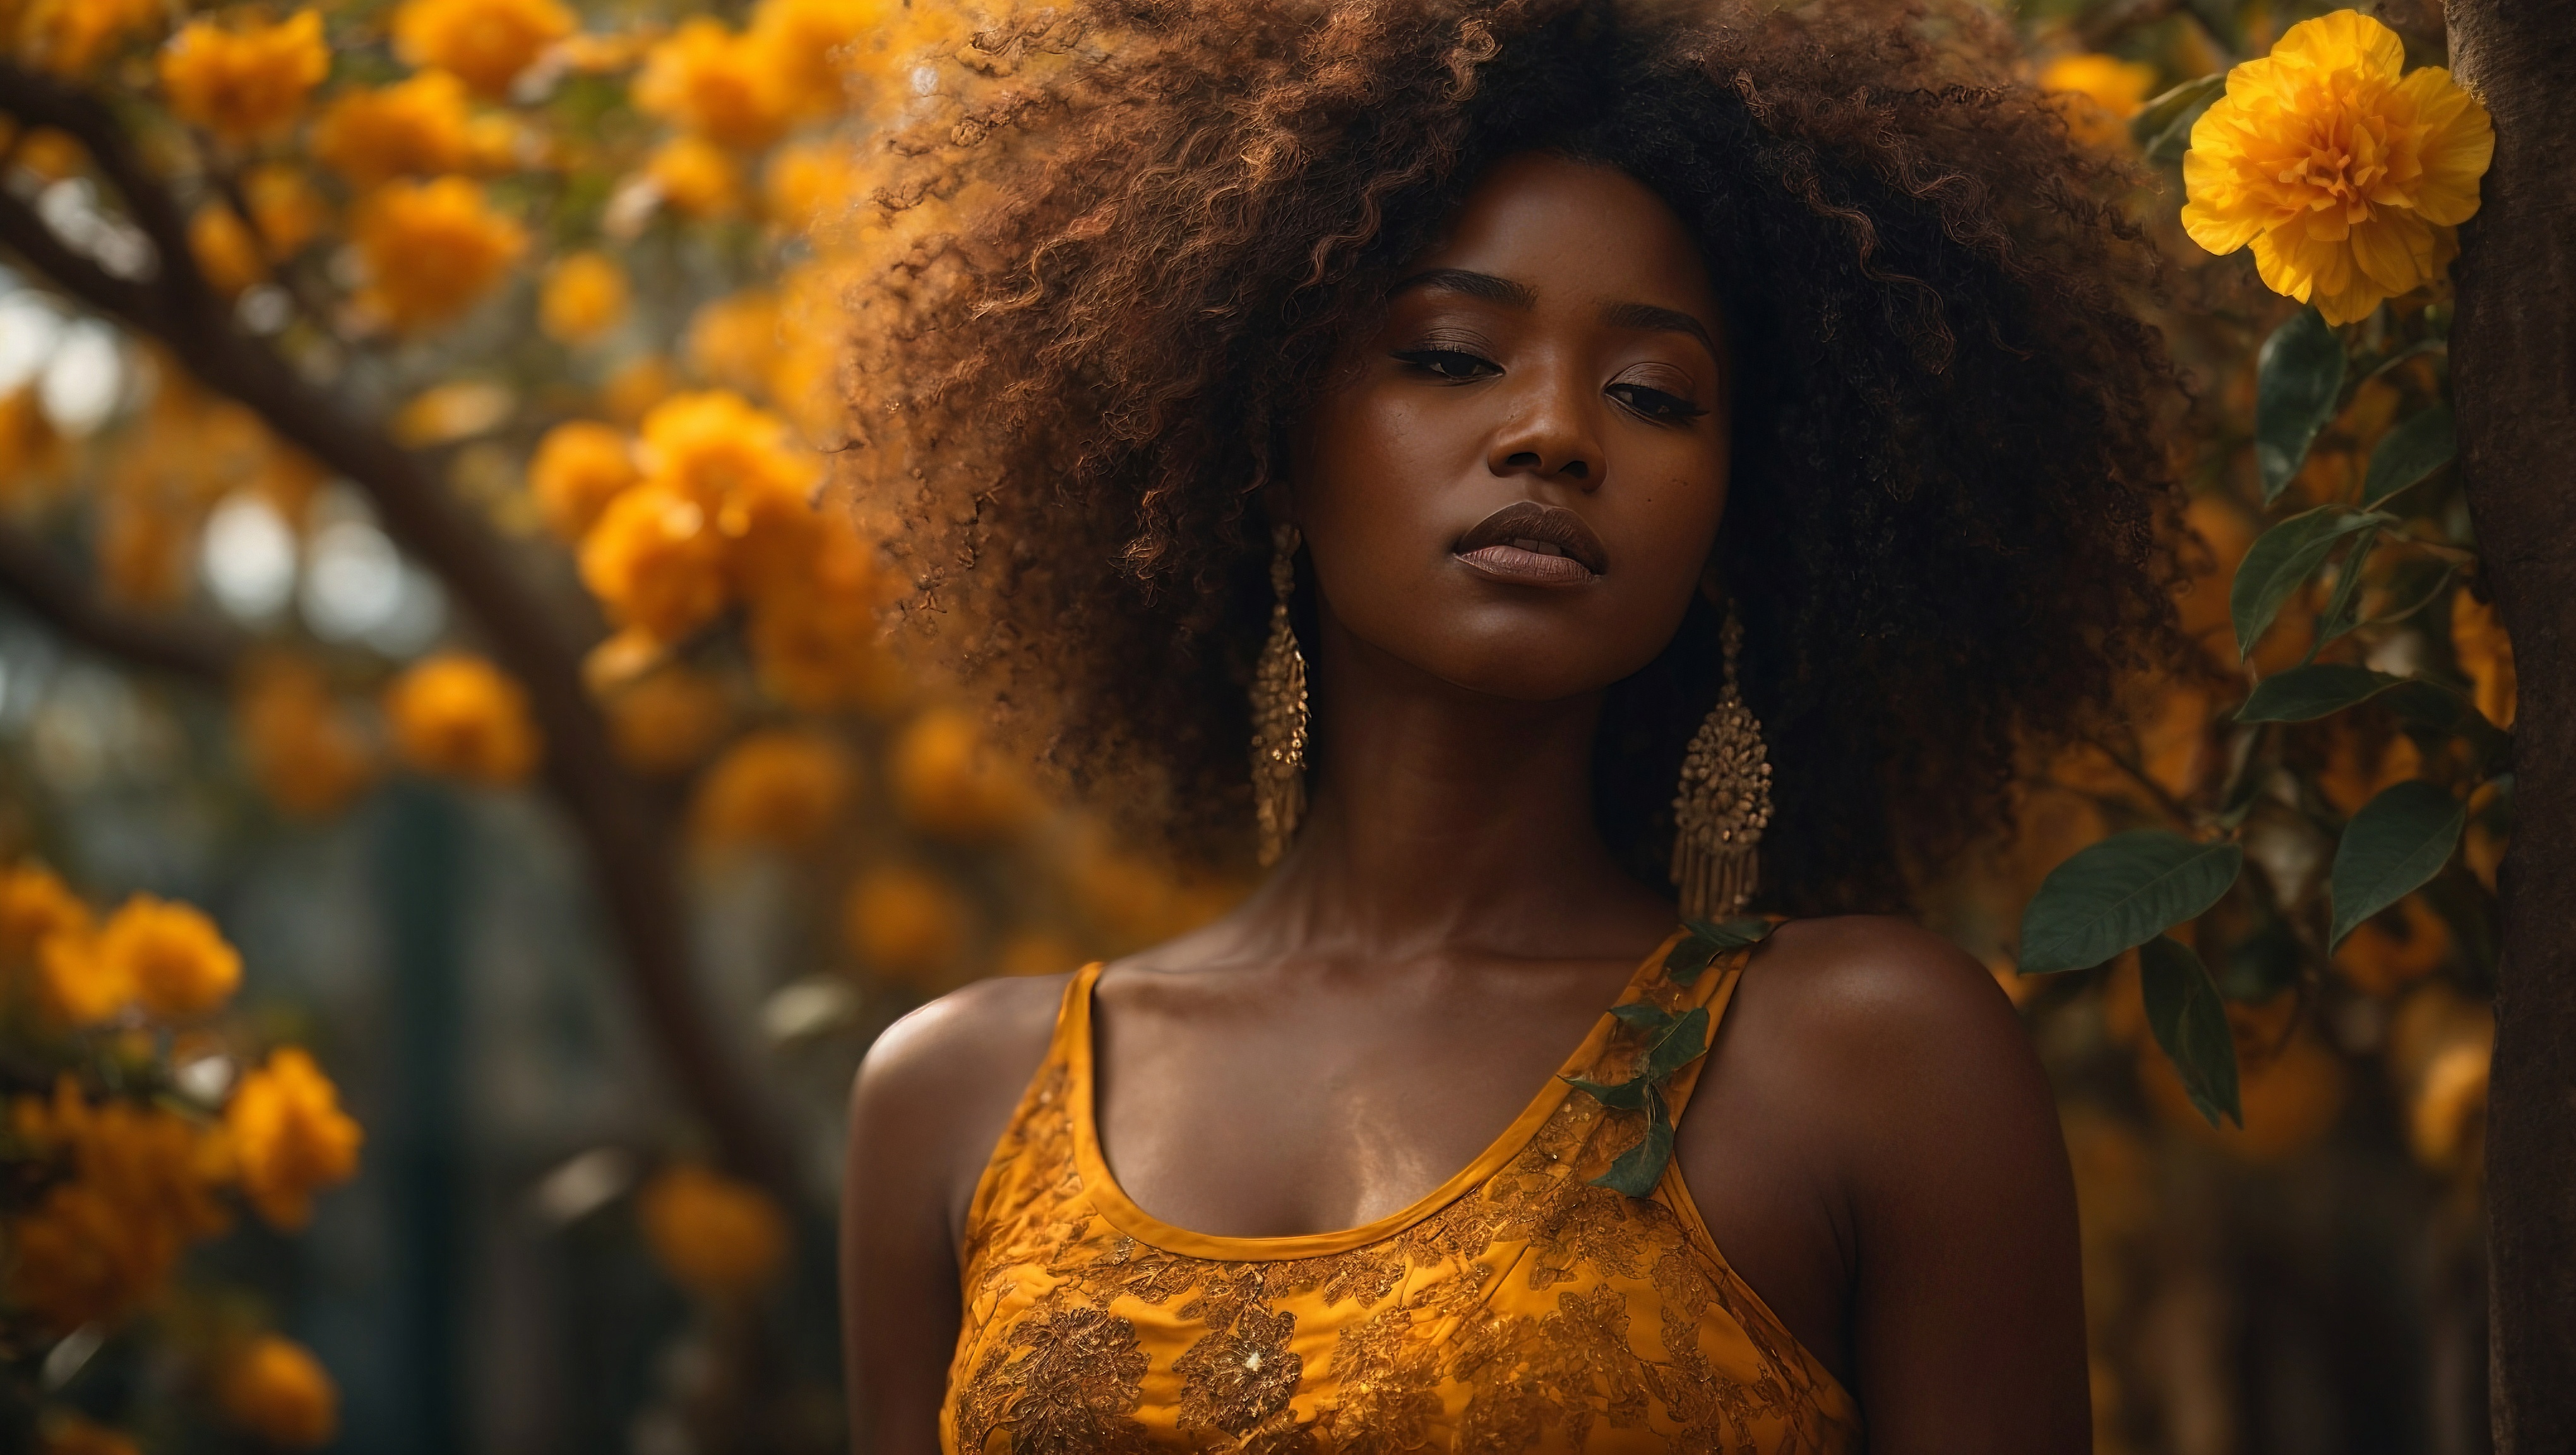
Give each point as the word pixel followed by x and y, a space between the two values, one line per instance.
pixel 1531 544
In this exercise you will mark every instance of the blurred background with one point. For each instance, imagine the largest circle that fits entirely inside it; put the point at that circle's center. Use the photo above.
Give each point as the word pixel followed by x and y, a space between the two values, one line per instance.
pixel 463 823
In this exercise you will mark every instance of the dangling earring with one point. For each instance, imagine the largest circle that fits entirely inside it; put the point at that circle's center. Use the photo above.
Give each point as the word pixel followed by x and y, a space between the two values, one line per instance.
pixel 1279 712
pixel 1725 801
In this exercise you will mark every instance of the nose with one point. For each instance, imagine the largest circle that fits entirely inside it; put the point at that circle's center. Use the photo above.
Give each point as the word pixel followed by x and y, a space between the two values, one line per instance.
pixel 1550 433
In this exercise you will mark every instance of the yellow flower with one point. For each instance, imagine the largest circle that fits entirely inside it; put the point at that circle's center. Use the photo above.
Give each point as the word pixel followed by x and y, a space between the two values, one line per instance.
pixel 247 80
pixel 225 251
pixel 655 563
pixel 807 42
pixel 905 921
pixel 177 961
pixel 2097 94
pixel 2486 655
pixel 627 395
pixel 50 154
pixel 302 748
pixel 696 177
pixel 487 42
pixel 289 212
pixel 713 1235
pixel 667 722
pixel 949 783
pixel 786 788
pixel 456 410
pixel 75 984
pixel 289 1137
pixel 715 448
pixel 71 36
pixel 2346 177
pixel 458 715
pixel 732 340
pixel 142 1188
pixel 810 183
pixel 720 85
pixel 432 249
pixel 275 1389
pixel 584 297
pixel 35 905
pixel 820 648
pixel 580 466
pixel 417 127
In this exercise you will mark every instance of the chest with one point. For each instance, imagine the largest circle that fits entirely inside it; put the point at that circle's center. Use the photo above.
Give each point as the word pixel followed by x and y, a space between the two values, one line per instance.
pixel 1264 1114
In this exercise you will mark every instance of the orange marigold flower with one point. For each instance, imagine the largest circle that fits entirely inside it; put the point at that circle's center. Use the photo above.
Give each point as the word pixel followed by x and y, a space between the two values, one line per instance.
pixel 905 921
pixel 585 296
pixel 432 249
pixel 289 1137
pixel 629 393
pixel 418 127
pixel 487 42
pixel 714 447
pixel 653 561
pixel 177 961
pixel 246 80
pixel 714 1236
pixel 460 716
pixel 716 83
pixel 275 1389
pixel 70 37
pixel 75 984
pixel 35 905
pixel 950 783
pixel 810 183
pixel 72 1435
pixel 302 747
pixel 784 787
pixel 290 213
pixel 2097 94
pixel 808 43
pixel 2346 177
pixel 668 721
pixel 142 1188
pixel 224 249
pixel 696 178
pixel 580 466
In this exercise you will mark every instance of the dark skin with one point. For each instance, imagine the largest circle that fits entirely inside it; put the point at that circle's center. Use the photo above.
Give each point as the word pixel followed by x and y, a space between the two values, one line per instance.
pixel 1872 1143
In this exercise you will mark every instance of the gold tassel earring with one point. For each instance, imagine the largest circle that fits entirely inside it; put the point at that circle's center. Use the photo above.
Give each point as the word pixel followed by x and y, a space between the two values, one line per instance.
pixel 1725 801
pixel 1279 712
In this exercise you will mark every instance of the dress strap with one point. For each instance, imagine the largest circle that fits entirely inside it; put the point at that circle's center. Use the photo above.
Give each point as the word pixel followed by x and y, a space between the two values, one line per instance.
pixel 1712 989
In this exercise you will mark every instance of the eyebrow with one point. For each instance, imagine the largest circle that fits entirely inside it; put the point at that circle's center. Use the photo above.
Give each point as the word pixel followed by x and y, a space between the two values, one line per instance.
pixel 1520 295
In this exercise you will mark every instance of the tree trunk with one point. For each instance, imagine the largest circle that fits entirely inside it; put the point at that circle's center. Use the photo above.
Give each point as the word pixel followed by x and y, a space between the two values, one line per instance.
pixel 2513 382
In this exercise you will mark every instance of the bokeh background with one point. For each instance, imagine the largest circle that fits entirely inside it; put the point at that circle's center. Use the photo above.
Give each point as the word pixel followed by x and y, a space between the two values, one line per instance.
pixel 465 820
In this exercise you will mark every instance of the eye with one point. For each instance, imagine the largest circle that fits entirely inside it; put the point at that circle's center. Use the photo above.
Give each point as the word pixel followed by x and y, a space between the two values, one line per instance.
pixel 1455 365
pixel 1654 403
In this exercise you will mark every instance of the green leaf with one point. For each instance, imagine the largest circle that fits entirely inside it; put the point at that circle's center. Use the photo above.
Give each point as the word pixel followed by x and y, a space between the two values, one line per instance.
pixel 2398 840
pixel 1628 1095
pixel 2162 127
pixel 2342 609
pixel 2190 1022
pixel 1707 941
pixel 2117 893
pixel 1684 1043
pixel 2283 558
pixel 2304 694
pixel 1638 1015
pixel 2297 376
pixel 2407 454
pixel 1638 1169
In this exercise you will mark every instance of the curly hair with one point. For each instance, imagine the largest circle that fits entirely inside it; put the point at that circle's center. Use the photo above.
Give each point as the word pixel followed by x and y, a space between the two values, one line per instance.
pixel 1158 219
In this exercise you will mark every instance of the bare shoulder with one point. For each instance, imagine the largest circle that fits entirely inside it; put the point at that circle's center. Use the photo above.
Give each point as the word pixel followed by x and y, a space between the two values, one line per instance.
pixel 937 1089
pixel 1891 1030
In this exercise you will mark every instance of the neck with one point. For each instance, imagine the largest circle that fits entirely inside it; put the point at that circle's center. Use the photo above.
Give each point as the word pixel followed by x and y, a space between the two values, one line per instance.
pixel 1446 819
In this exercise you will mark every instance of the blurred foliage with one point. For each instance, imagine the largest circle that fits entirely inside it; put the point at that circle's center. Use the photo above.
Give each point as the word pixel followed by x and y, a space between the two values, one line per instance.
pixel 583 263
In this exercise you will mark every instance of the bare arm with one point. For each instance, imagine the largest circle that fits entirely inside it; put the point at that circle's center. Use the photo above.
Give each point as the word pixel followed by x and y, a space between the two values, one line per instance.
pixel 929 1103
pixel 1914 1222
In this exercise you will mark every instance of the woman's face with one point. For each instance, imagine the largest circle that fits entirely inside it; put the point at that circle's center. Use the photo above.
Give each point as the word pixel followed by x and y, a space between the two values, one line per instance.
pixel 1513 482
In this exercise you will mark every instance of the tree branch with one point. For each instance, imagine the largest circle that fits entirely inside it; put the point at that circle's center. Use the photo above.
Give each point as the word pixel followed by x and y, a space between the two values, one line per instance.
pixel 31 574
pixel 625 833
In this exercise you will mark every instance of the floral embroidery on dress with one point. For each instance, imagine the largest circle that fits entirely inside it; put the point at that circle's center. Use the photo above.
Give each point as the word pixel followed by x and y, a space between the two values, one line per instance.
pixel 1526 1311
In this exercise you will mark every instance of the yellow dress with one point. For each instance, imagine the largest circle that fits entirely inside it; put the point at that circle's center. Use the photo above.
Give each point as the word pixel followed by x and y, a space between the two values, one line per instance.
pixel 1516 1307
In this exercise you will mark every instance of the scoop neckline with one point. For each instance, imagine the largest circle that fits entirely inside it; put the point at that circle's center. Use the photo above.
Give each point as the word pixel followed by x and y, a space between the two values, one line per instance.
pixel 1112 1202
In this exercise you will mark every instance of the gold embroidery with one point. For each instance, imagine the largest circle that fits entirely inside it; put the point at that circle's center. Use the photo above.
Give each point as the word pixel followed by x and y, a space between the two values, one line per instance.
pixel 1534 1312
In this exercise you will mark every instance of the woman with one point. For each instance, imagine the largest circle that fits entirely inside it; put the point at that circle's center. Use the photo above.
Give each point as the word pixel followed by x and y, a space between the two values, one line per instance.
pixel 1511 460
